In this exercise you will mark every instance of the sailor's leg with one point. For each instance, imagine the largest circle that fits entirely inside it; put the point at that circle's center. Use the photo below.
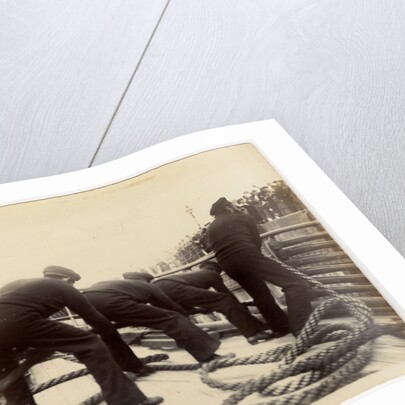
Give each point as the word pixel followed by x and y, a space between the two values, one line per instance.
pixel 18 392
pixel 116 387
pixel 187 335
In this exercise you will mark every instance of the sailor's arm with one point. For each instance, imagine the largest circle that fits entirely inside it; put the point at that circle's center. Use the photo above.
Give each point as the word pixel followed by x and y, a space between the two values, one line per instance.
pixel 254 232
pixel 161 300
pixel 76 302
pixel 219 285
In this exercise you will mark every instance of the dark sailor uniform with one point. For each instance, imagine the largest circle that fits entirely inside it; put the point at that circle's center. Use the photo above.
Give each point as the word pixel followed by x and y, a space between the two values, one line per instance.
pixel 25 306
pixel 125 302
pixel 192 290
pixel 237 245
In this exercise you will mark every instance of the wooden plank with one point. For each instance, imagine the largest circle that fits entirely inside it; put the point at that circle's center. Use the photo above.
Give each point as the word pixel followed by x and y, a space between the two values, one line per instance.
pixel 306 248
pixel 329 72
pixel 63 68
pixel 275 245
pixel 372 302
pixel 363 289
pixel 347 268
pixel 355 278
pixel 290 228
pixel 302 261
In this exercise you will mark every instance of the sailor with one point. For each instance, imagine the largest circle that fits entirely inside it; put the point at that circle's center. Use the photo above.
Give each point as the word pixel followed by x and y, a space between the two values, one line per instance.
pixel 126 303
pixel 25 306
pixel 236 242
pixel 193 290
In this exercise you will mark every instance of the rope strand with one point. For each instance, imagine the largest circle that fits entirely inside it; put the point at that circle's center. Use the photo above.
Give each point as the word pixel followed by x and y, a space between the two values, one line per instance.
pixel 295 380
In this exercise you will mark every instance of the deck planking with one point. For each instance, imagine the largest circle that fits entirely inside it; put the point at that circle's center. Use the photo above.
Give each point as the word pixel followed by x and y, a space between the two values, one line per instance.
pixel 181 387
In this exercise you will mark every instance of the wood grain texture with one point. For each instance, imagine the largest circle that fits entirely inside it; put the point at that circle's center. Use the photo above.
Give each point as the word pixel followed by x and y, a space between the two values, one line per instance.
pixel 330 72
pixel 64 66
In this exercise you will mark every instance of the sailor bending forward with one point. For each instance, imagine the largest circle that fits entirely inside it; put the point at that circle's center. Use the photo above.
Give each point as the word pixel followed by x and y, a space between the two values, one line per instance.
pixel 25 306
pixel 125 302
pixel 192 290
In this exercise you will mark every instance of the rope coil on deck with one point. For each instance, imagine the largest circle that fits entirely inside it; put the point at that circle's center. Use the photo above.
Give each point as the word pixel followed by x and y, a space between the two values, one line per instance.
pixel 300 377
pixel 350 351
pixel 300 381
pixel 84 371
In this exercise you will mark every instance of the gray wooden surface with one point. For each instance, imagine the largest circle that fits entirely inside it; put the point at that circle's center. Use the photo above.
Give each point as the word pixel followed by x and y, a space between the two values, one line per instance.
pixel 83 83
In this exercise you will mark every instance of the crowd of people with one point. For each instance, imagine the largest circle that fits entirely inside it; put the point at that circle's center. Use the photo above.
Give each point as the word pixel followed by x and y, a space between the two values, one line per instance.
pixel 139 299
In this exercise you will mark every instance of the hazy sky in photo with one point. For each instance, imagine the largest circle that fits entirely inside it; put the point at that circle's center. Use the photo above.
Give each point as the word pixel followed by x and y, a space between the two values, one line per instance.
pixel 129 225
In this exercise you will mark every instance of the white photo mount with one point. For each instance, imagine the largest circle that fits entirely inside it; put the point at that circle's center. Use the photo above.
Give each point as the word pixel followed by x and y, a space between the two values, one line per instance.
pixel 369 250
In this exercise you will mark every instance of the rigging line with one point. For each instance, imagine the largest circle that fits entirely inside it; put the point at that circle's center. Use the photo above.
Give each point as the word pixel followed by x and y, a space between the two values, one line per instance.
pixel 128 86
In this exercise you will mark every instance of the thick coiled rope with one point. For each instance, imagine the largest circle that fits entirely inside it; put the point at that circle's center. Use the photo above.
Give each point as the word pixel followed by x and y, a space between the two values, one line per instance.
pixel 300 378
pixel 350 351
pixel 300 381
pixel 84 371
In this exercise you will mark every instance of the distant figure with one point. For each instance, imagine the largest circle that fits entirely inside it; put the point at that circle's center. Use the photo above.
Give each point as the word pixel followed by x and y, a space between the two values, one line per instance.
pixel 126 302
pixel 192 290
pixel 253 211
pixel 25 306
pixel 234 238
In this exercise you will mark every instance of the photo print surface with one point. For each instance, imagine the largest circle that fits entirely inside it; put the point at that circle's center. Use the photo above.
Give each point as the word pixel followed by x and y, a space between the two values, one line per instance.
pixel 325 333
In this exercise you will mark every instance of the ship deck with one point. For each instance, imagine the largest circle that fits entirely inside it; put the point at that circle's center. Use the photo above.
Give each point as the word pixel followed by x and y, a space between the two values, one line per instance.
pixel 182 387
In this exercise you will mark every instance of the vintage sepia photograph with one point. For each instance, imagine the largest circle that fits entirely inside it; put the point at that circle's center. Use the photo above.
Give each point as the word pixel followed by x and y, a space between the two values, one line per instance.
pixel 204 280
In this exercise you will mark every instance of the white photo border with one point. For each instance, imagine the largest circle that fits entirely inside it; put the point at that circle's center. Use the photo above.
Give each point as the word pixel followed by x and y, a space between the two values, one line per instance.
pixel 366 246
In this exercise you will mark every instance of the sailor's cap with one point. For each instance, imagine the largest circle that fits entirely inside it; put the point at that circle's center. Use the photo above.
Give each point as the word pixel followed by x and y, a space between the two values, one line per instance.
pixel 61 272
pixel 138 275
pixel 218 205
